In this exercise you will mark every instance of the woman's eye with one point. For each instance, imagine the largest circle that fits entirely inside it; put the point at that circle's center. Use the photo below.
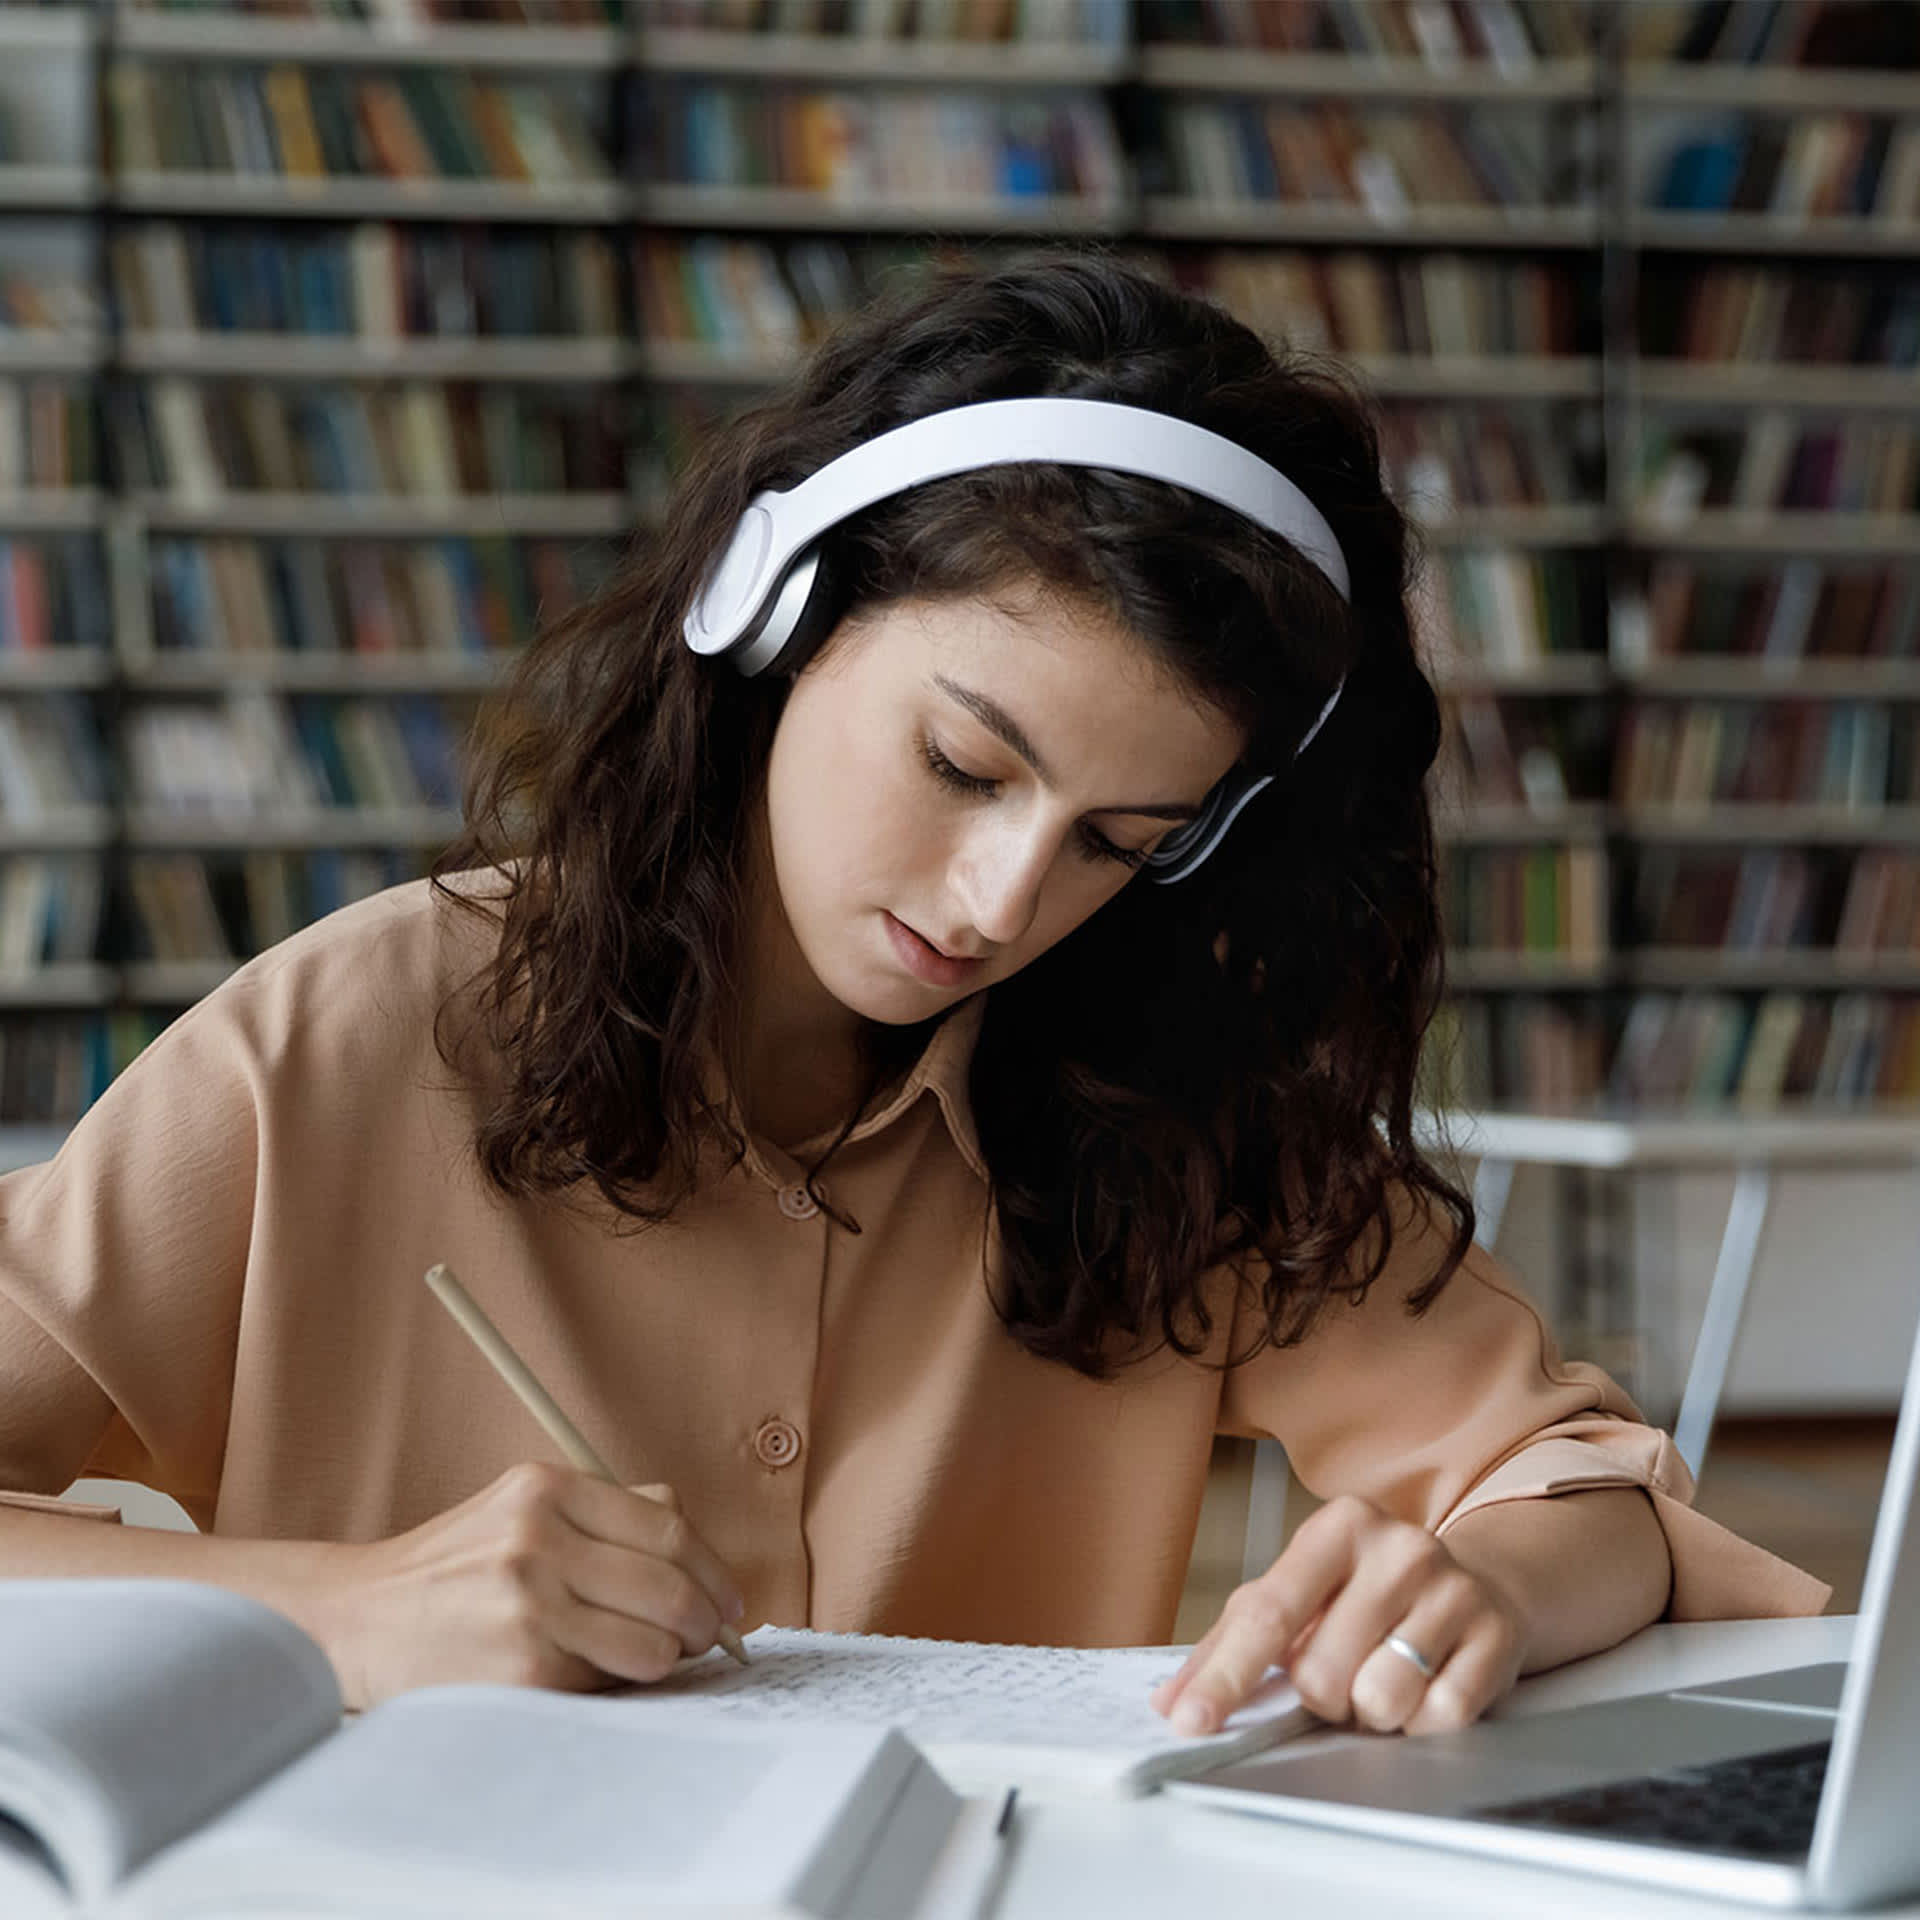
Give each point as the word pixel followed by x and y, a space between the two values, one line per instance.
pixel 944 770
pixel 1093 844
pixel 1098 847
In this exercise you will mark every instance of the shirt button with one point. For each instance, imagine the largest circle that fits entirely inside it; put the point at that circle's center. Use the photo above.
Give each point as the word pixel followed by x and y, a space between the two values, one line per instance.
pixel 777 1443
pixel 797 1203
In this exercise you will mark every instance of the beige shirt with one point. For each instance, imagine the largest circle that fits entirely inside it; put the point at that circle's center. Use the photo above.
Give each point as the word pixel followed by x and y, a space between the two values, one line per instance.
pixel 215 1288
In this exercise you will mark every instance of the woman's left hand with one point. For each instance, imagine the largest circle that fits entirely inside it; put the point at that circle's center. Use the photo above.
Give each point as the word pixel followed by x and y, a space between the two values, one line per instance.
pixel 1374 1621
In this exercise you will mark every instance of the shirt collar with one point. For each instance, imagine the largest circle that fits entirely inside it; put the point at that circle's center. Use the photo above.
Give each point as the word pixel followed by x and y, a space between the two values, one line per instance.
pixel 942 1070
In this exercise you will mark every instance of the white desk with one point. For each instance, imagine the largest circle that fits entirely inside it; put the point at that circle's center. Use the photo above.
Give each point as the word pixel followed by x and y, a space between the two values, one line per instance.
pixel 1128 1860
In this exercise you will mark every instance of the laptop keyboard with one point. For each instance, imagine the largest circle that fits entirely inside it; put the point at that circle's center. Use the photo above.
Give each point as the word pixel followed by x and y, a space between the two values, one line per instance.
pixel 1760 1806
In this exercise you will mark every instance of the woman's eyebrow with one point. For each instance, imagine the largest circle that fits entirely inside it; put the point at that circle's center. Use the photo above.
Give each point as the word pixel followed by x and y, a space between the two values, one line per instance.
pixel 999 722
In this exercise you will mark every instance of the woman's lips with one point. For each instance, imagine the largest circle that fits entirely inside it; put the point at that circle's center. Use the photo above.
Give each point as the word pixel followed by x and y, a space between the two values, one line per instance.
pixel 925 961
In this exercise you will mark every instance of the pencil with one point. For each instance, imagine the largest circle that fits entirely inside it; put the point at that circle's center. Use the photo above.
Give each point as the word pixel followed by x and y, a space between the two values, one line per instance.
pixel 539 1402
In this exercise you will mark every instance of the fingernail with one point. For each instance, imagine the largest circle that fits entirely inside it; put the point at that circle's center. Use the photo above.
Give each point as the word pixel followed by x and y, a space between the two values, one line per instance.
pixel 1194 1715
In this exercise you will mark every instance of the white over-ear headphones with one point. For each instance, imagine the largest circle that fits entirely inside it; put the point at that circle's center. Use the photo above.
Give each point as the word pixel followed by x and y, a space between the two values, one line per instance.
pixel 758 606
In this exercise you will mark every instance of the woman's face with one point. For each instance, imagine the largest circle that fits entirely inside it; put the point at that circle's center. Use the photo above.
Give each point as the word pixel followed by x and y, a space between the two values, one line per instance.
pixel 955 785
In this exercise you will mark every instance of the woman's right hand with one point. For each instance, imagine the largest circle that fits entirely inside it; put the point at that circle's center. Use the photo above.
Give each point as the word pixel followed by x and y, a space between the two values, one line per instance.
pixel 547 1578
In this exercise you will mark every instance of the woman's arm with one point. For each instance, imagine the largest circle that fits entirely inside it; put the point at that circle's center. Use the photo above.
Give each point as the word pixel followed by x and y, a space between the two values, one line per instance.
pixel 548 1577
pixel 1379 1622
pixel 1581 1571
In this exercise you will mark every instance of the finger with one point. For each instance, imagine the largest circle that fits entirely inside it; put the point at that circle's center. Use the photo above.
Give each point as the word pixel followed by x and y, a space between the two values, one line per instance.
pixel 1260 1622
pixel 1483 1666
pixel 1388 1689
pixel 613 1644
pixel 641 1586
pixel 1163 1697
pixel 642 1524
pixel 1395 1567
pixel 660 1493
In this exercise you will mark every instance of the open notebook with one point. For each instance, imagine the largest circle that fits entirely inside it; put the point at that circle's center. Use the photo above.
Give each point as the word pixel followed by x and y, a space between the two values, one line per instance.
pixel 984 1714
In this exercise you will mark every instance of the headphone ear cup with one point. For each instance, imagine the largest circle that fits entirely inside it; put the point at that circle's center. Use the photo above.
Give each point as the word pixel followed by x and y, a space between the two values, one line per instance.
pixel 805 609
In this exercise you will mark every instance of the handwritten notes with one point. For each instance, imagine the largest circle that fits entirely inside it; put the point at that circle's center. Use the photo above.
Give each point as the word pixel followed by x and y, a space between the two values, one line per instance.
pixel 1069 1713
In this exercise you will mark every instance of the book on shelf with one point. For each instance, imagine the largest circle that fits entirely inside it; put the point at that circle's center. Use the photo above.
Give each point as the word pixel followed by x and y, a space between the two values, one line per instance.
pixel 46 435
pixel 1498 608
pixel 805 1791
pixel 1389 161
pixel 403 17
pixel 1844 754
pixel 46 301
pixel 52 593
pixel 1777 463
pixel 1515 1050
pixel 53 1065
pixel 315 124
pixel 1763 900
pixel 50 912
pixel 1783 612
pixel 1438 459
pixel 187 907
pixel 1509 35
pixel 915 144
pixel 204 440
pixel 1434 304
pixel 52 758
pixel 254 753
pixel 1529 900
pixel 1881 910
pixel 1809 167
pixel 743 293
pixel 1091 23
pixel 1711 1049
pixel 443 598
pixel 1773 33
pixel 174 916
pixel 375 282
pixel 1514 755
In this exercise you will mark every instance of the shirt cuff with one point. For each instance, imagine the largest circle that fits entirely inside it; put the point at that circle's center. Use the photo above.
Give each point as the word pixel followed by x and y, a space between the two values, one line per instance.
pixel 47 1503
pixel 1716 1574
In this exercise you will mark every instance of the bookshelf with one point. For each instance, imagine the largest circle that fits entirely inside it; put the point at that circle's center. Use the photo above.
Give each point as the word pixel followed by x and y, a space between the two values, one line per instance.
pixel 363 406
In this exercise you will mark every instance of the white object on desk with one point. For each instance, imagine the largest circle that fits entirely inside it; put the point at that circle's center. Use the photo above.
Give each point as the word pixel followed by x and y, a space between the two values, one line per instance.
pixel 1070 1718
pixel 1156 1860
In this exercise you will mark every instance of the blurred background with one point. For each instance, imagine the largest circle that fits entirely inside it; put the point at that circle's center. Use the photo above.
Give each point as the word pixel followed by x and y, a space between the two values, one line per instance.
pixel 344 341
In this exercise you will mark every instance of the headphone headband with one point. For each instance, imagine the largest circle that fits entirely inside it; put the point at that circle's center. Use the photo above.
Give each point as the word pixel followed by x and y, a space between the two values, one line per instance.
pixel 753 606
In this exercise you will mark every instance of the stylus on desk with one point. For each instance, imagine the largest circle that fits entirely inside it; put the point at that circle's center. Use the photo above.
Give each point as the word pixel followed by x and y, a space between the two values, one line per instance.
pixel 537 1400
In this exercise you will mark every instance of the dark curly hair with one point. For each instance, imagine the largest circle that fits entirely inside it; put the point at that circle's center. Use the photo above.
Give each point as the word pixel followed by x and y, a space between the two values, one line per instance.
pixel 1214 1075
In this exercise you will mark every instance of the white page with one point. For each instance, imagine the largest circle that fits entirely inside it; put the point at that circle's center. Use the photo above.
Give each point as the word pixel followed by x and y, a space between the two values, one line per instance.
pixel 131 1710
pixel 981 1712
pixel 29 1888
pixel 472 1801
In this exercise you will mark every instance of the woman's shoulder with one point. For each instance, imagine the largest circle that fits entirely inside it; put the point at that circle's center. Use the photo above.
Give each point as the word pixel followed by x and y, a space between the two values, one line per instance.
pixel 369 974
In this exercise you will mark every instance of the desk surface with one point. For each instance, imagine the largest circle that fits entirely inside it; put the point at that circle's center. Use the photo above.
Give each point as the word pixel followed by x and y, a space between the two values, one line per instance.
pixel 1154 1857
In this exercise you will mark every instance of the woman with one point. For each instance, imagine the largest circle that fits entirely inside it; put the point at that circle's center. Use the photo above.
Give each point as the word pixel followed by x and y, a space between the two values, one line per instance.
pixel 904 1101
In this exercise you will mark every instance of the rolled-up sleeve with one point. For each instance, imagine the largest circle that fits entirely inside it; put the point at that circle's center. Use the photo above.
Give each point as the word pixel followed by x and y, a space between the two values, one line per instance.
pixel 1469 1404
pixel 121 1269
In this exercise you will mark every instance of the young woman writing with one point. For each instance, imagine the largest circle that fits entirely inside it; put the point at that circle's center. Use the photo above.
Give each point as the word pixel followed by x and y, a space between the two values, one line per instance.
pixel 918 1038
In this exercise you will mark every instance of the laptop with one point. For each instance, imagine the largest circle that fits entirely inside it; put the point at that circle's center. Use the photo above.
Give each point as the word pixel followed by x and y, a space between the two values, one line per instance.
pixel 1790 1789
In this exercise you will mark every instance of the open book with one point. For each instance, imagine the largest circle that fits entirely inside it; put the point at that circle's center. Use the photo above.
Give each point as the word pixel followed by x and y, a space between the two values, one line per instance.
pixel 168 1748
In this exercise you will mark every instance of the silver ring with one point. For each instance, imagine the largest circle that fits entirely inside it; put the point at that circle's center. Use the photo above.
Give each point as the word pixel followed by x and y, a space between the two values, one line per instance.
pixel 1409 1653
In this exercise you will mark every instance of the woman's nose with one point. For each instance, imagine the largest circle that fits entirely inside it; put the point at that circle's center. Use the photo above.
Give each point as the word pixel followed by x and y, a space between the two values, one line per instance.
pixel 999 875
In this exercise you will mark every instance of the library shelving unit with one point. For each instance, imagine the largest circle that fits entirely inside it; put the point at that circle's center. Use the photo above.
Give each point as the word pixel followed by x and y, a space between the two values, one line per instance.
pixel 56 826
pixel 399 322
pixel 1765 642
